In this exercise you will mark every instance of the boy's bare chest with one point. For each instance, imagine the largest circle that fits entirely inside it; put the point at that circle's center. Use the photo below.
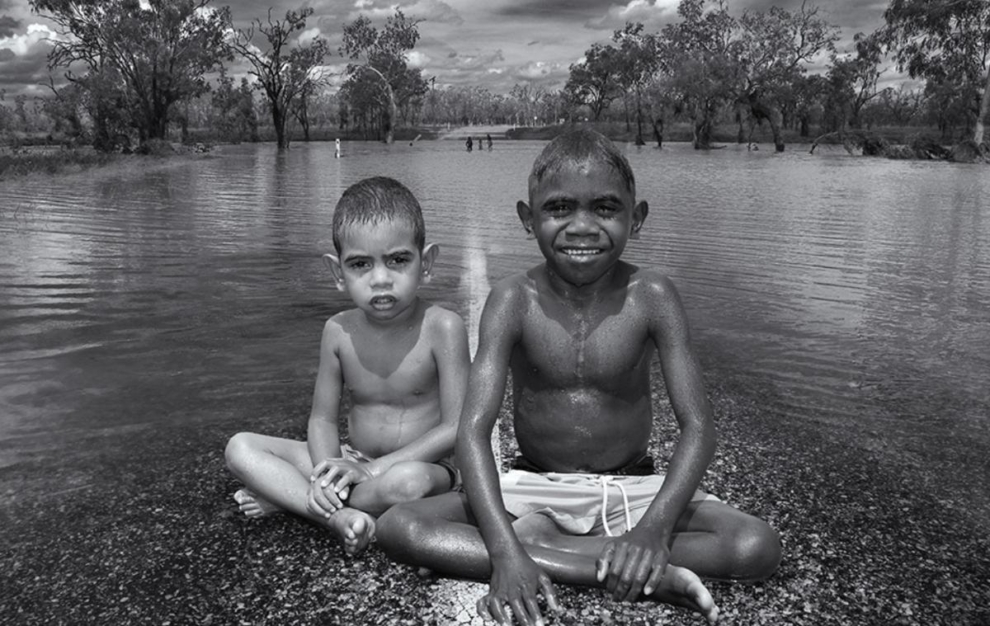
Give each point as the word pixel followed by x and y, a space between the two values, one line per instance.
pixel 585 348
pixel 384 370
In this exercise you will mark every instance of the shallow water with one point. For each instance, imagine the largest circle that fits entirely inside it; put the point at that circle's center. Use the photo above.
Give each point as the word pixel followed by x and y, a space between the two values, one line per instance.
pixel 850 295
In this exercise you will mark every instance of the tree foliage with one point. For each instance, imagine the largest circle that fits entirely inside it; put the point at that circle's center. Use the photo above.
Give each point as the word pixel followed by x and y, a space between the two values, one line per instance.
pixel 285 72
pixel 380 79
pixel 141 57
pixel 947 42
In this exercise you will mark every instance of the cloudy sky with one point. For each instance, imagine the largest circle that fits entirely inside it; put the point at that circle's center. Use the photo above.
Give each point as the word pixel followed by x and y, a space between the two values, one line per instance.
pixel 491 43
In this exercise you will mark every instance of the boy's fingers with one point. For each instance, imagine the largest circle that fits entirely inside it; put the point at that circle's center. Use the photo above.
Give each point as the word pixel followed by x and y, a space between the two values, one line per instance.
pixel 322 465
pixel 534 610
pixel 549 593
pixel 656 575
pixel 521 612
pixel 482 607
pixel 602 565
pixel 617 565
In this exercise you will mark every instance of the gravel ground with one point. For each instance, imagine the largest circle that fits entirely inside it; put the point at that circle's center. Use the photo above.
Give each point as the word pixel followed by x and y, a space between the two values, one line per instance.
pixel 138 527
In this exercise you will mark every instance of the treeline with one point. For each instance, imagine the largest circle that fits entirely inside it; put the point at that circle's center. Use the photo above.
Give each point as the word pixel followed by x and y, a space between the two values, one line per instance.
pixel 140 71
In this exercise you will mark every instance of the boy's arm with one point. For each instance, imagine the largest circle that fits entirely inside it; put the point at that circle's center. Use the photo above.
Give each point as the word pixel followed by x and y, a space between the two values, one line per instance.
pixel 453 360
pixel 516 579
pixel 322 438
pixel 637 560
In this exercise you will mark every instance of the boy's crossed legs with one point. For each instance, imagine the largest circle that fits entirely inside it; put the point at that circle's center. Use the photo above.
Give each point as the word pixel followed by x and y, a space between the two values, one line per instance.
pixel 276 475
pixel 711 539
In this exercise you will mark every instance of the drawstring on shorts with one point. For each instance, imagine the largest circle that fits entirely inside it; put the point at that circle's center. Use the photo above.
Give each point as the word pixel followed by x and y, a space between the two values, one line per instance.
pixel 606 481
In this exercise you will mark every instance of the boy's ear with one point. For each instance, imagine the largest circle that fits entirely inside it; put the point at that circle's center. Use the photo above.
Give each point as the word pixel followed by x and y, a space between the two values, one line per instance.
pixel 429 255
pixel 526 217
pixel 333 262
pixel 639 216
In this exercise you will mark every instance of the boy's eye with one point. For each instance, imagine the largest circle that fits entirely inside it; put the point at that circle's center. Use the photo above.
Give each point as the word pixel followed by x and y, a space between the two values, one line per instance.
pixel 359 265
pixel 398 261
pixel 608 209
pixel 557 208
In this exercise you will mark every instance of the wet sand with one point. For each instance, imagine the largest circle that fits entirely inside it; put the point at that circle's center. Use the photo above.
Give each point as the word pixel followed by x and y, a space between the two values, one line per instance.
pixel 139 527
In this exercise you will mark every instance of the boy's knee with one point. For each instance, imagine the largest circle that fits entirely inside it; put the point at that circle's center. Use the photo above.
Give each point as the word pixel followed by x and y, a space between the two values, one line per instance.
pixel 237 448
pixel 757 551
pixel 404 482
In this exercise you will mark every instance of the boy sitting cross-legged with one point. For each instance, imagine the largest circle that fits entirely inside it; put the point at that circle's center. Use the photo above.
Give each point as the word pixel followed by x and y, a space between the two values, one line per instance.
pixel 404 363
pixel 579 333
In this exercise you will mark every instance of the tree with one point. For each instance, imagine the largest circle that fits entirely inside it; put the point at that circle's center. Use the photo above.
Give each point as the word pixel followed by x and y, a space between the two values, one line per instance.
pixel 156 51
pixel 283 73
pixel 775 45
pixel 638 63
pixel 595 81
pixel 852 81
pixel 382 62
pixel 700 58
pixel 948 42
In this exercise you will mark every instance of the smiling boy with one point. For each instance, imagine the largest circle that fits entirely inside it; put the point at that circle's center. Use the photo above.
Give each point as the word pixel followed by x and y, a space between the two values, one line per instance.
pixel 404 363
pixel 579 334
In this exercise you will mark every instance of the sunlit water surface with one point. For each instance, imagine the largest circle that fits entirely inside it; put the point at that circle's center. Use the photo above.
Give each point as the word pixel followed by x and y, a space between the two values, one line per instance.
pixel 851 295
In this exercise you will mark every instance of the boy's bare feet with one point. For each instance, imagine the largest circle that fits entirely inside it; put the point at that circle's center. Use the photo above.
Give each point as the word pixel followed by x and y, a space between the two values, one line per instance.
pixel 252 506
pixel 355 528
pixel 683 587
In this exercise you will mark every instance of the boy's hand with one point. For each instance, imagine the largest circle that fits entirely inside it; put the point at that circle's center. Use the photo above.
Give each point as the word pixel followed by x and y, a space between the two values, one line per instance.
pixel 633 563
pixel 340 474
pixel 513 590
pixel 318 501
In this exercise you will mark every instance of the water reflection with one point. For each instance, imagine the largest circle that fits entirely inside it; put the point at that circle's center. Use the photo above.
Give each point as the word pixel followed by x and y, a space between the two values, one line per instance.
pixel 858 291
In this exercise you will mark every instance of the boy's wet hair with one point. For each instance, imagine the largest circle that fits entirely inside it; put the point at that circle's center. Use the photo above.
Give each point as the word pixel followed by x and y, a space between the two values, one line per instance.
pixel 577 146
pixel 376 200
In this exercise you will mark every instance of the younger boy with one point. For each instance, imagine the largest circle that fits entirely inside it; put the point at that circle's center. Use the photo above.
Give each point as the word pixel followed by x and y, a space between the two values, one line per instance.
pixel 404 363
pixel 579 333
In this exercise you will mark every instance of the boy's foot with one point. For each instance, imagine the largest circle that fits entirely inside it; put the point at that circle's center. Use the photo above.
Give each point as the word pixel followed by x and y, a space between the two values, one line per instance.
pixel 355 528
pixel 681 586
pixel 253 506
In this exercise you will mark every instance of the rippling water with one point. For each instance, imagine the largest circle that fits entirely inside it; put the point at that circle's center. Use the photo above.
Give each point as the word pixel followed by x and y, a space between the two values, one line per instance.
pixel 852 294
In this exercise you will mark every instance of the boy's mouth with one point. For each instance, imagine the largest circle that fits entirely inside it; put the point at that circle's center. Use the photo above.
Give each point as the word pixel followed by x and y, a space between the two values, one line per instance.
pixel 383 302
pixel 581 252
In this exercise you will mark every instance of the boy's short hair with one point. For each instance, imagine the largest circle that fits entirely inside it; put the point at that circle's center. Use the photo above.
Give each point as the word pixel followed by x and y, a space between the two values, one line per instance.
pixel 376 200
pixel 579 145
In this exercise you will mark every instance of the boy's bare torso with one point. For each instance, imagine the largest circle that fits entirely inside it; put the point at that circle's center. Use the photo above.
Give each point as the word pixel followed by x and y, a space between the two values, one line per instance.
pixel 580 372
pixel 391 377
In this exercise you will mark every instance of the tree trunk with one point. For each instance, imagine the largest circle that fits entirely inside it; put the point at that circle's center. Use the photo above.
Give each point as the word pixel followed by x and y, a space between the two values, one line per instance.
pixel 775 121
pixel 278 120
pixel 979 127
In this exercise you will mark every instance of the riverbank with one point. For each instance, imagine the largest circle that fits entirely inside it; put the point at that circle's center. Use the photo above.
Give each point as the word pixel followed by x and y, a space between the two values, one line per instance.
pixel 139 527
pixel 50 161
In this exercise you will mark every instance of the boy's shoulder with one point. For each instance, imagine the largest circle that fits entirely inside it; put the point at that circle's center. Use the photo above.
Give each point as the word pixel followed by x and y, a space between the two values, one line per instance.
pixel 439 319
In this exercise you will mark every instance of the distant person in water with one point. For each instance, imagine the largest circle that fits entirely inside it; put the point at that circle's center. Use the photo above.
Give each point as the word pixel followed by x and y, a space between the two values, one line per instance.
pixel 470 144
pixel 404 363
pixel 336 148
pixel 488 138
pixel 583 504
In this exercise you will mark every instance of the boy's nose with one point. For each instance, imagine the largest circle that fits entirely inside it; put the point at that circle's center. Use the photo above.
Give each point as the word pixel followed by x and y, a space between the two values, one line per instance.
pixel 582 224
pixel 380 276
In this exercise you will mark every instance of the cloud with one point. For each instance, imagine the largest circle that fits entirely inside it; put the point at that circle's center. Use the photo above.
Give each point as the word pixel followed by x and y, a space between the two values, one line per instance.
pixel 426 10
pixel 417 59
pixel 308 35
pixel 22 43
pixel 653 14
pixel 8 26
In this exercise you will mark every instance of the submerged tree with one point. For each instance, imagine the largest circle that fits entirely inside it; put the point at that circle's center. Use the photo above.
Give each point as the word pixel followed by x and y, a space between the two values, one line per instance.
pixel 775 46
pixel 948 42
pixel 143 55
pixel 381 64
pixel 284 72
pixel 701 59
